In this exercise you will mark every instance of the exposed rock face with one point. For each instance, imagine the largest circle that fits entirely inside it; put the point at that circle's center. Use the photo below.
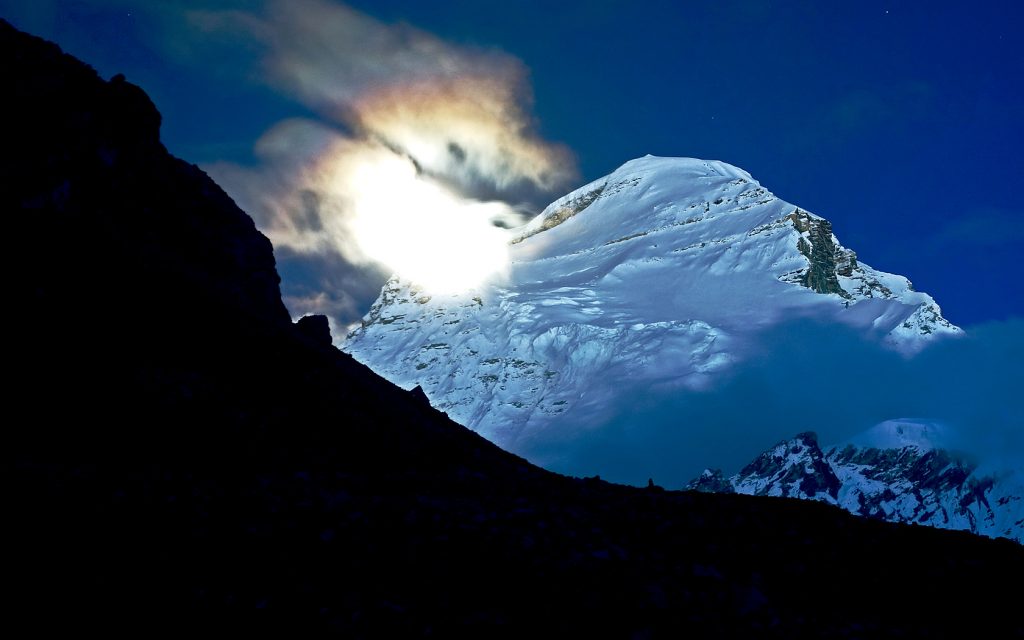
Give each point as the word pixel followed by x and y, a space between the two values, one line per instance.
pixel 581 199
pixel 794 469
pixel 827 259
pixel 895 474
pixel 181 456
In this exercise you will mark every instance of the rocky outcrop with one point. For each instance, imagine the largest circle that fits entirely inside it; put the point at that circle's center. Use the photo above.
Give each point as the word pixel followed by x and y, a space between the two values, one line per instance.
pixel 316 328
pixel 795 469
pixel 178 455
pixel 827 259
pixel 565 209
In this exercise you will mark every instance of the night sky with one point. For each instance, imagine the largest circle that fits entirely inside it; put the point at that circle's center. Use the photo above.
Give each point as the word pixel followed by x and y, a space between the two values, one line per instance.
pixel 899 121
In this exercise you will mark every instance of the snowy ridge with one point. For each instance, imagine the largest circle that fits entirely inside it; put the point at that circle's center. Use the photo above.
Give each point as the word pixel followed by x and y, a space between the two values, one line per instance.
pixel 897 471
pixel 562 209
pixel 660 274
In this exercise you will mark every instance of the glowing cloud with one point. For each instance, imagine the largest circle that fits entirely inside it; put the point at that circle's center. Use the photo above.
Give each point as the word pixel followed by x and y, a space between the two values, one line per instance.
pixel 421 229
pixel 362 200
pixel 426 146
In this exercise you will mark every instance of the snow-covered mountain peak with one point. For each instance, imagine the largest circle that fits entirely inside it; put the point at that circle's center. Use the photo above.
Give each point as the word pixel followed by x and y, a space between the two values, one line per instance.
pixel 923 435
pixel 644 195
pixel 658 276
pixel 792 468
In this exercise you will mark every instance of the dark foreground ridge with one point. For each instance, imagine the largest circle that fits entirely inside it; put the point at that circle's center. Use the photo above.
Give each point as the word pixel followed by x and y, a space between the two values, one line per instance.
pixel 188 459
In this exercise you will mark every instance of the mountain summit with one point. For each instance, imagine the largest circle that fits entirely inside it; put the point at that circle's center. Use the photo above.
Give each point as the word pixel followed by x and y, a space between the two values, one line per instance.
pixel 900 470
pixel 661 274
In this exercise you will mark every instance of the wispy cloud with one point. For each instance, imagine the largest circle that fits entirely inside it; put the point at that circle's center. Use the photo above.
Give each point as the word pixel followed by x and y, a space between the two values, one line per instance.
pixel 461 113
pixel 423 148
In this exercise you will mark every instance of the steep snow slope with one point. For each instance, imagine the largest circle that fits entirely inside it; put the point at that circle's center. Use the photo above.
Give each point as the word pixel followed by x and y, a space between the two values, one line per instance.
pixel 900 470
pixel 659 274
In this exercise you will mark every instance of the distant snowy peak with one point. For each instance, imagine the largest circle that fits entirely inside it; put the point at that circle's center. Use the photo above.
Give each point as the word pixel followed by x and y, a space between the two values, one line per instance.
pixel 897 471
pixel 795 468
pixel 661 274
pixel 922 435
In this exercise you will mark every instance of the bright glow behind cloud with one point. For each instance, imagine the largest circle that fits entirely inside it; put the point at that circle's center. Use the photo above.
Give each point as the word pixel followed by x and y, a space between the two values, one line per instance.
pixel 438 144
pixel 420 229
pixel 318 192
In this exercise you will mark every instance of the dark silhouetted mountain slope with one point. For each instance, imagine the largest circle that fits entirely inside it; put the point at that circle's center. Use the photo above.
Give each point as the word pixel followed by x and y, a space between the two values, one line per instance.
pixel 179 456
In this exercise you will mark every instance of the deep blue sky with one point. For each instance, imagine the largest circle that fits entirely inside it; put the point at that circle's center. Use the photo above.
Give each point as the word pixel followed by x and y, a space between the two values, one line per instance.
pixel 900 122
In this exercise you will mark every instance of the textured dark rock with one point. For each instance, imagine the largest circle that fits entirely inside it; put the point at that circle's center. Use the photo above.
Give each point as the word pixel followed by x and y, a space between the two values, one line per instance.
pixel 179 456
pixel 827 260
pixel 565 212
pixel 821 276
pixel 795 467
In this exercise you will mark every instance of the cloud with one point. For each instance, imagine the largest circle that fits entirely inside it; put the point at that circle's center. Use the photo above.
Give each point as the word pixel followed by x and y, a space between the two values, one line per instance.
pixel 318 192
pixel 811 377
pixel 459 111
pixel 422 153
pixel 295 192
pixel 327 284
